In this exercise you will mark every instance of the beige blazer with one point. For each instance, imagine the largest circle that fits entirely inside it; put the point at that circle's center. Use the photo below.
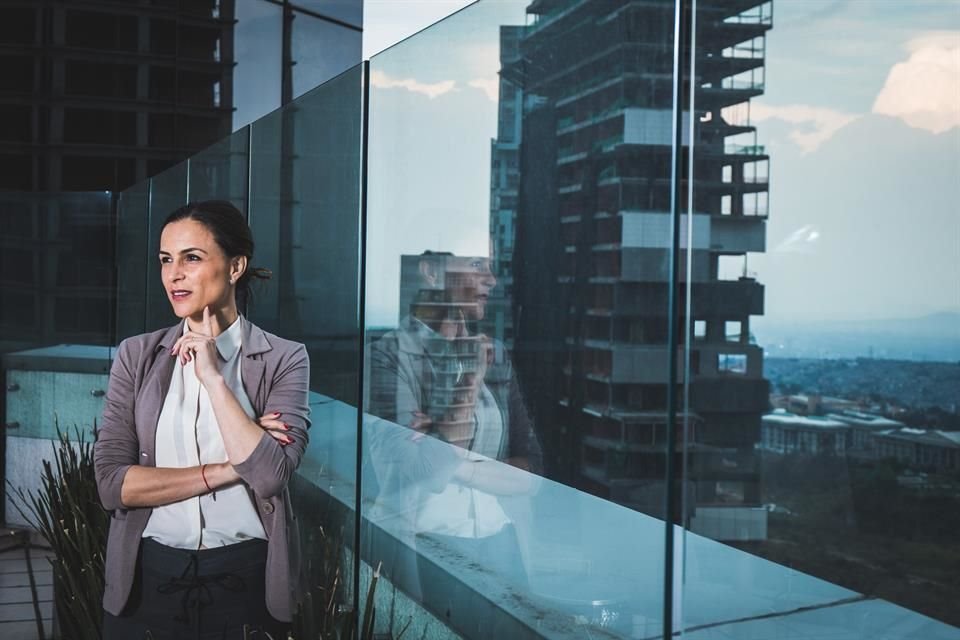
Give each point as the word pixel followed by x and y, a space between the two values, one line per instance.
pixel 276 375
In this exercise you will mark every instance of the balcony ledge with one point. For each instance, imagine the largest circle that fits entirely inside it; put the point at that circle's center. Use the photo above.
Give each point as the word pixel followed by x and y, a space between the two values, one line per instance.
pixel 616 582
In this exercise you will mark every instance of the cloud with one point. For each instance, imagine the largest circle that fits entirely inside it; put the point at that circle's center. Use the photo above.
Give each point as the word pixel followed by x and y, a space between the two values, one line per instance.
pixel 817 124
pixel 490 86
pixel 432 90
pixel 935 39
pixel 924 91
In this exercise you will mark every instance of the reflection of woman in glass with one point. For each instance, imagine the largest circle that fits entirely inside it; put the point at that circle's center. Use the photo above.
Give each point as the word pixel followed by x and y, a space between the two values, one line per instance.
pixel 200 534
pixel 436 376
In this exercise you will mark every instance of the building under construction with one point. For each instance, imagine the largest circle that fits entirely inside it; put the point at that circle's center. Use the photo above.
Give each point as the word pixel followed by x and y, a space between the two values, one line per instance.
pixel 99 94
pixel 590 251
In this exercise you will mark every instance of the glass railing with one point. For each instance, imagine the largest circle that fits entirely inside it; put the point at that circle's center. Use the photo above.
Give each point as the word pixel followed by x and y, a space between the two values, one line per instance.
pixel 753 48
pixel 812 454
pixel 476 469
pixel 745 149
pixel 761 14
pixel 57 292
pixel 742 84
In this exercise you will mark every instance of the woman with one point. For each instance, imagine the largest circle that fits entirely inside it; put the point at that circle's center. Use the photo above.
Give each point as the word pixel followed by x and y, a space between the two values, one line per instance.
pixel 201 539
pixel 453 447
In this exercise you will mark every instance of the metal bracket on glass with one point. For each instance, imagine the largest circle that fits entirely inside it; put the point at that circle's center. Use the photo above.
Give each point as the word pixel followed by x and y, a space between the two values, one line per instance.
pixel 344 608
pixel 13 386
pixel 97 393
pixel 12 425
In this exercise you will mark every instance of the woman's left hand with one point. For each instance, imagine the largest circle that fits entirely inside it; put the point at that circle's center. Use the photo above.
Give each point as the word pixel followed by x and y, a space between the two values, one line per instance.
pixel 202 348
pixel 275 427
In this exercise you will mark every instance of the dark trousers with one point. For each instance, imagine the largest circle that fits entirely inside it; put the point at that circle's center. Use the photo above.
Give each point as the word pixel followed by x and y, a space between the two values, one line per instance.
pixel 210 594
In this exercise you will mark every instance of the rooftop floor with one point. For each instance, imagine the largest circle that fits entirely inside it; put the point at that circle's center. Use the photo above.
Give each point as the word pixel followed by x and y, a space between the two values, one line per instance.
pixel 18 606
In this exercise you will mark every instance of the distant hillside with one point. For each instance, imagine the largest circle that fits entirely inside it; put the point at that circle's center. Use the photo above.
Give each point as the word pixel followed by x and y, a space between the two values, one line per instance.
pixel 905 383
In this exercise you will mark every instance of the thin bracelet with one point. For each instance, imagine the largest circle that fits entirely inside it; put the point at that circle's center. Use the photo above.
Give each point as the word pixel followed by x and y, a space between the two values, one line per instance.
pixel 203 468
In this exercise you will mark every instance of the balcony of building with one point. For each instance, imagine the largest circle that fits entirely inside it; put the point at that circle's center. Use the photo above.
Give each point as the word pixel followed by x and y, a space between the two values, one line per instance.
pixel 729 394
pixel 720 299
pixel 721 32
pixel 597 587
pixel 627 363
pixel 728 93
pixel 738 234
pixel 711 67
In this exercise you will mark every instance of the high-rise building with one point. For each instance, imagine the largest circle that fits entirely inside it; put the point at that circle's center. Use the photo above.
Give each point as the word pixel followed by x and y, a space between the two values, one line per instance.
pixel 94 96
pixel 100 94
pixel 504 185
pixel 591 247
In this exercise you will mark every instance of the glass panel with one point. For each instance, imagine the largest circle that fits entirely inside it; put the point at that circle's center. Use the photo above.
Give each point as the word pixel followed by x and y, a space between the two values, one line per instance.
pixel 514 436
pixel 219 172
pixel 56 269
pixel 350 11
pixel 168 192
pixel 257 50
pixel 304 212
pixel 321 50
pixel 133 255
pixel 56 320
pixel 822 440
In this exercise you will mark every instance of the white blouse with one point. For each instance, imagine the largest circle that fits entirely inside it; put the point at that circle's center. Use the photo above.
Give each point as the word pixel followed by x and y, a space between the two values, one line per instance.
pixel 188 435
pixel 461 510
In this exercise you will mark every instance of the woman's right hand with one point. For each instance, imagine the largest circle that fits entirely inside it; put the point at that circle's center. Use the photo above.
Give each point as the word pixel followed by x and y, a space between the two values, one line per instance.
pixel 273 425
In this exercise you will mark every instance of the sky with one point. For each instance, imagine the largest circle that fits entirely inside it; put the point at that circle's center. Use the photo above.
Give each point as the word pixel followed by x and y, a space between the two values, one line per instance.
pixel 386 22
pixel 433 113
pixel 861 117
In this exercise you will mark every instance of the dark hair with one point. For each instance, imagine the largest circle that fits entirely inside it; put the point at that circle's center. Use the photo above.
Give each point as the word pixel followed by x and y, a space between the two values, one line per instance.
pixel 231 233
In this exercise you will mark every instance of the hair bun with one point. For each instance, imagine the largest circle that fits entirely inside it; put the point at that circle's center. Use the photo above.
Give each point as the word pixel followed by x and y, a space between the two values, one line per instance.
pixel 261 273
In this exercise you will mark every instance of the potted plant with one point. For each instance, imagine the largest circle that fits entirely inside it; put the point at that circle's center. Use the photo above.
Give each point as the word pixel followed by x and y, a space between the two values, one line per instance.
pixel 67 513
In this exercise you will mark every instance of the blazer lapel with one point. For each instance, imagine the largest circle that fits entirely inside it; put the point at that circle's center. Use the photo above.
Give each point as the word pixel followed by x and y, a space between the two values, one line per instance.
pixel 154 391
pixel 252 365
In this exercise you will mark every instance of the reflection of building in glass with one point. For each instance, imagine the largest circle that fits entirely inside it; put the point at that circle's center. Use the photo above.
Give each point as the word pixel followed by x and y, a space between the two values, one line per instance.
pixel 592 245
pixel 504 182
pixel 921 448
pixel 810 435
pixel 865 437
pixel 56 271
pixel 805 405
pixel 861 442
pixel 103 94
pixel 99 95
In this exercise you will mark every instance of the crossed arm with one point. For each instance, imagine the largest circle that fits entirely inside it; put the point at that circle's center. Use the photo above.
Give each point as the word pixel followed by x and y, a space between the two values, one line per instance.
pixel 264 462
pixel 394 396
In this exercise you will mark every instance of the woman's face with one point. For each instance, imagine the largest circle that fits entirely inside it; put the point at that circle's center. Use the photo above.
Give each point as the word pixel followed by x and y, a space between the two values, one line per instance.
pixel 468 282
pixel 195 271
